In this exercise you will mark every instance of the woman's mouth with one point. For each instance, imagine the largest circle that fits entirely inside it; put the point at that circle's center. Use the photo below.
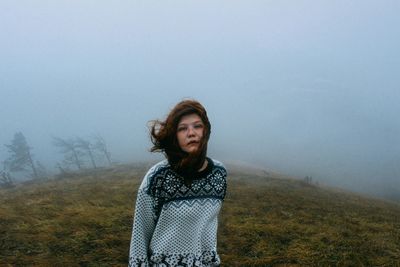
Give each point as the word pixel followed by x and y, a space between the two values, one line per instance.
pixel 192 143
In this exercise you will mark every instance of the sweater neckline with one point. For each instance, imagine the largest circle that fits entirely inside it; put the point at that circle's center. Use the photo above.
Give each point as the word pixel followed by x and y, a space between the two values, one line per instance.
pixel 189 177
pixel 206 170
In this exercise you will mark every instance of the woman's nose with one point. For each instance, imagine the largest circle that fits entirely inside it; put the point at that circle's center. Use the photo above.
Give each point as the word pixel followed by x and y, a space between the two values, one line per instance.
pixel 190 131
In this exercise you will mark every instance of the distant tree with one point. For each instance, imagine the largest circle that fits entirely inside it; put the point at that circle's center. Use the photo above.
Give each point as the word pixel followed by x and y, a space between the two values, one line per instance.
pixel 5 178
pixel 62 170
pixel 88 148
pixel 100 145
pixel 72 153
pixel 308 179
pixel 21 157
pixel 41 170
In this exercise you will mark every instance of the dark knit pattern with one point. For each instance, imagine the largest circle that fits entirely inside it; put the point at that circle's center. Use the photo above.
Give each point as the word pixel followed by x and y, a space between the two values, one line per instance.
pixel 175 222
pixel 166 186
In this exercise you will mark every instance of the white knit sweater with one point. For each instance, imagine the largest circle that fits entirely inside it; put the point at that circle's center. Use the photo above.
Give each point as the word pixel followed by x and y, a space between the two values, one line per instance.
pixel 176 224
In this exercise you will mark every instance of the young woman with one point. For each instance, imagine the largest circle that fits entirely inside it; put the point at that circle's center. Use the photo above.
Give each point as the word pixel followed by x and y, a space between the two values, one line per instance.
pixel 178 202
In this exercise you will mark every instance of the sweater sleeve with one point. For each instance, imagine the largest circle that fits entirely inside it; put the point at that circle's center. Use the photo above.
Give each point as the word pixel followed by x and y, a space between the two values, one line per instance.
pixel 143 227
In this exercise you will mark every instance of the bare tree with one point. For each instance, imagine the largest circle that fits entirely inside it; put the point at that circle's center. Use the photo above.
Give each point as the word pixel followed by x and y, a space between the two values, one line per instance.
pixel 21 157
pixel 308 179
pixel 101 146
pixel 71 151
pixel 41 170
pixel 88 148
pixel 5 178
pixel 62 170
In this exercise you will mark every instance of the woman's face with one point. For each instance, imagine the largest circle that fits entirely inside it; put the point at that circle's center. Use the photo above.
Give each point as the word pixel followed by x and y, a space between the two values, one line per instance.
pixel 190 132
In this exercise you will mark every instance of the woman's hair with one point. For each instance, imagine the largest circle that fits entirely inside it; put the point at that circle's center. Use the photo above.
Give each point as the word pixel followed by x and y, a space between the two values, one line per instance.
pixel 164 137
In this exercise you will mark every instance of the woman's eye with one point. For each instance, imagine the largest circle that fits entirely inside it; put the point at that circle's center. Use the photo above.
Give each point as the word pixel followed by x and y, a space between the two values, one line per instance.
pixel 181 129
pixel 198 126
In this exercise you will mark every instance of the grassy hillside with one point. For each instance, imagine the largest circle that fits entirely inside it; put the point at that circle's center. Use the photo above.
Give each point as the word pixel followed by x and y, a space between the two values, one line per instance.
pixel 85 220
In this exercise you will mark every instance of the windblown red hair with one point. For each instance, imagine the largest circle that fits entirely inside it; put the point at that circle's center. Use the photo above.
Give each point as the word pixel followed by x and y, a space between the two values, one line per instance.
pixel 163 135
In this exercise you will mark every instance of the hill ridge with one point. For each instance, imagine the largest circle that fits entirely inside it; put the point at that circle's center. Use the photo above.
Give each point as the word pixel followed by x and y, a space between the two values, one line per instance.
pixel 86 219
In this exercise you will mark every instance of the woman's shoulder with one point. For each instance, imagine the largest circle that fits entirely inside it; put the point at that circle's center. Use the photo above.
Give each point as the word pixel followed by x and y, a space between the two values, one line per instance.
pixel 159 165
pixel 218 164
pixel 153 172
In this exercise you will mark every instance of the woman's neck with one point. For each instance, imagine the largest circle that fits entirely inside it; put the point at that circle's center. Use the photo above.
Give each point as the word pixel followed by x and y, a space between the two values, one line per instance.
pixel 204 165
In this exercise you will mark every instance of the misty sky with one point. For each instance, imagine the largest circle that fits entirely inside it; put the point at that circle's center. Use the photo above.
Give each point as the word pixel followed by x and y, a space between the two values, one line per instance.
pixel 299 87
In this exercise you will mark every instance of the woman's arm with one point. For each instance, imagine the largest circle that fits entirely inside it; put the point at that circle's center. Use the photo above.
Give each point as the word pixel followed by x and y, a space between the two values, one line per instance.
pixel 143 227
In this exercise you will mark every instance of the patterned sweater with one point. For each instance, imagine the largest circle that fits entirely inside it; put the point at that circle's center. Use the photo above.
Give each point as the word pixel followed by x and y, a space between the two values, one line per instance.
pixel 176 224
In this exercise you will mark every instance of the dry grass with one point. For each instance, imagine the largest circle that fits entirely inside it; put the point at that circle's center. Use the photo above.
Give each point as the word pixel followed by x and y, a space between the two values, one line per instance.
pixel 85 220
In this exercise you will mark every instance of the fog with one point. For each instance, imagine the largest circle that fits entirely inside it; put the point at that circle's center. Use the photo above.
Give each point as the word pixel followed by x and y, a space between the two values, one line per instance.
pixel 296 87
